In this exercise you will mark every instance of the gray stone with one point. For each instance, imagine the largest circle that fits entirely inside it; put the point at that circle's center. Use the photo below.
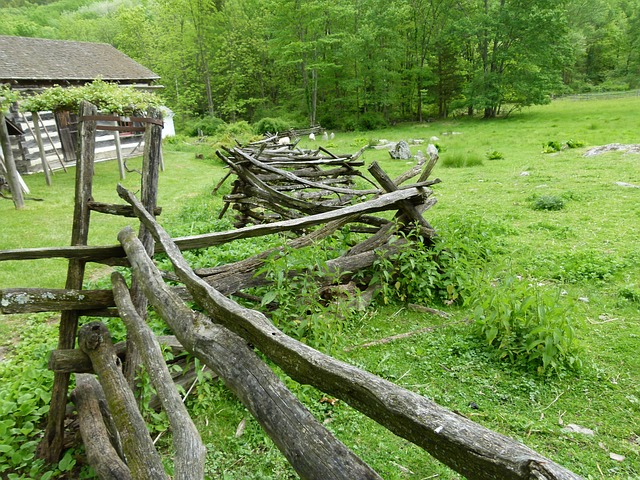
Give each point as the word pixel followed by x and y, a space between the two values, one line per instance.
pixel 401 151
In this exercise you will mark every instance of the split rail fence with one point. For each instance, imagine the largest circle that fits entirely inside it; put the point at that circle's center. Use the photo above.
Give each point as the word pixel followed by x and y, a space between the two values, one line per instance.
pixel 278 192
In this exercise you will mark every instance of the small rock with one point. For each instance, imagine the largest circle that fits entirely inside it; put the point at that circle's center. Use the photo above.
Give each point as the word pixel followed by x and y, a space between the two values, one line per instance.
pixel 525 174
pixel 573 428
pixel 584 299
pixel 616 457
pixel 434 139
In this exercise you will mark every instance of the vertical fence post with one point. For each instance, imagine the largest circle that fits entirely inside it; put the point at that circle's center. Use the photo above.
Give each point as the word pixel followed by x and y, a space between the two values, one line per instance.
pixel 12 171
pixel 149 197
pixel 51 445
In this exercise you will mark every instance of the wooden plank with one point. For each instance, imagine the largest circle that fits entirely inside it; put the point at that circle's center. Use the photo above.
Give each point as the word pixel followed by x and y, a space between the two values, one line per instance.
pixel 31 300
pixel 142 458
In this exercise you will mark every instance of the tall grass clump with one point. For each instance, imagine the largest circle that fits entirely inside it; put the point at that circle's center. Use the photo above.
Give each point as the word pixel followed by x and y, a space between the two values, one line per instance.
pixel 461 160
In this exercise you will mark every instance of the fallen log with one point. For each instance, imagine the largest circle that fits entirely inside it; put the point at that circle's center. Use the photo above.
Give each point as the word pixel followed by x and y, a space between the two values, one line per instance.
pixel 101 454
pixel 190 451
pixel 311 449
pixel 465 446
pixel 143 459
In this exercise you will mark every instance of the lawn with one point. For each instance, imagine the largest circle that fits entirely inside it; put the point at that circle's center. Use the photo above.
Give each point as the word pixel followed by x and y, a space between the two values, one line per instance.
pixel 586 252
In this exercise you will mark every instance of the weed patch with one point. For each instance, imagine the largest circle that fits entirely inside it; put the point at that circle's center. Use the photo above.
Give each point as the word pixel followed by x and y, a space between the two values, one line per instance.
pixel 528 324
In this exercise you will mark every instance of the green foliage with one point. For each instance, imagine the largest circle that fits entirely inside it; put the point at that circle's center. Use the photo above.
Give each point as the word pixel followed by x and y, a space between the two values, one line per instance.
pixel 24 397
pixel 272 125
pixel 547 202
pixel 206 126
pixel 587 265
pixel 551 147
pixel 372 121
pixel 575 144
pixel 7 97
pixel 444 271
pixel 107 97
pixel 528 324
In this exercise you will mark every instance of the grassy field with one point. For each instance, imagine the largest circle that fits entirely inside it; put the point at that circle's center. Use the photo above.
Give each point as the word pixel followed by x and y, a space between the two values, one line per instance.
pixel 587 251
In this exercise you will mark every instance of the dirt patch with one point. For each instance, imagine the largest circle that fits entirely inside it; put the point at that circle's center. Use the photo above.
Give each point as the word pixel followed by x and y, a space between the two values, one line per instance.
pixel 613 147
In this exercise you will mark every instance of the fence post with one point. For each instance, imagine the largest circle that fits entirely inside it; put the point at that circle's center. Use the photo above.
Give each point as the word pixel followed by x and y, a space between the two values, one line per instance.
pixel 12 171
pixel 149 196
pixel 51 446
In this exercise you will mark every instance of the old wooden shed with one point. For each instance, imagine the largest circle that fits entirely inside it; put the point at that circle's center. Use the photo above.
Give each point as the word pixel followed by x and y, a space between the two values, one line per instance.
pixel 32 64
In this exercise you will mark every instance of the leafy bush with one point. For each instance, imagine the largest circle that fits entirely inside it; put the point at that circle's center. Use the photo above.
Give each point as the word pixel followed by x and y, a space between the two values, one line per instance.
pixel 107 97
pixel 551 147
pixel 372 121
pixel 527 324
pixel 444 271
pixel 548 202
pixel 272 125
pixel 24 402
pixel 207 126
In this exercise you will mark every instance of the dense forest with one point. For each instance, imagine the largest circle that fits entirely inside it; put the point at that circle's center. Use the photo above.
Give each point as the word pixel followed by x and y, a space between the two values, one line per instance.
pixel 350 64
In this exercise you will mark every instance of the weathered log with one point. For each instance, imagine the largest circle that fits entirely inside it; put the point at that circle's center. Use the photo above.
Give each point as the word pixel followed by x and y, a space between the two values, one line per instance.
pixel 50 447
pixel 76 361
pixel 31 300
pixel 409 210
pixel 148 196
pixel 472 450
pixel 119 210
pixel 101 454
pixel 294 178
pixel 312 450
pixel 142 457
pixel 190 451
pixel 106 254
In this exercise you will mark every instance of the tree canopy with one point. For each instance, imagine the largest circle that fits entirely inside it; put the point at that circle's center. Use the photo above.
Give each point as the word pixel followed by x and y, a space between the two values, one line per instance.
pixel 355 63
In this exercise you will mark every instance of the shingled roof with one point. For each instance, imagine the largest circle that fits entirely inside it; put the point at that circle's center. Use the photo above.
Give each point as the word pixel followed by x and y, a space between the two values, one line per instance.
pixel 36 61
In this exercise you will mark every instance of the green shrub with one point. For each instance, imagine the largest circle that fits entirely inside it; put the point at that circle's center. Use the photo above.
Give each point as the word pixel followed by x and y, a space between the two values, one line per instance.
pixel 444 271
pixel 551 147
pixel 495 155
pixel 207 126
pixel 527 324
pixel 272 125
pixel 372 121
pixel 575 144
pixel 548 202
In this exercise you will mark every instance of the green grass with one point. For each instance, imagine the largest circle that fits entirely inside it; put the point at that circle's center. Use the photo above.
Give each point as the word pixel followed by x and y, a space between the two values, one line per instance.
pixel 588 250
